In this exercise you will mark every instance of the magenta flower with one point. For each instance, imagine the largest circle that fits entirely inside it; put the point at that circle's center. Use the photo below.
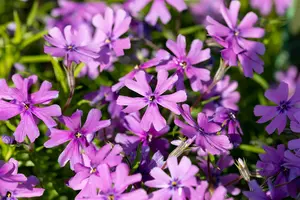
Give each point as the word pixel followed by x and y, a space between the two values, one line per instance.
pixel 184 63
pixel 131 75
pixel 265 7
pixel 9 177
pixel 24 190
pixel 233 38
pixel 109 29
pixel 278 114
pixel 204 132
pixel 79 136
pixel 158 9
pixel 112 185
pixel 88 173
pixel 179 185
pixel 15 101
pixel 202 192
pixel 74 45
pixel 152 99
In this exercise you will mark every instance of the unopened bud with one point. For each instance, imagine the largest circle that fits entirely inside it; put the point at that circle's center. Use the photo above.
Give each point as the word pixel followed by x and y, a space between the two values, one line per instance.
pixel 243 169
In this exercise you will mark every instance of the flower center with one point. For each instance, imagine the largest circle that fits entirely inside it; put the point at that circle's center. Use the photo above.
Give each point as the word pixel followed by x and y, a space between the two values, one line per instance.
pixel 183 64
pixel 78 135
pixel 232 116
pixel 136 67
pixel 26 106
pixel 111 197
pixel 151 98
pixel 174 184
pixel 283 106
pixel 70 47
pixel 93 170
pixel 8 194
pixel 107 41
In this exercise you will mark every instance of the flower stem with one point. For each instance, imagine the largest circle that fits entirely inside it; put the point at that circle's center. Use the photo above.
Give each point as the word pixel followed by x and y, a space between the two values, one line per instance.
pixel 71 82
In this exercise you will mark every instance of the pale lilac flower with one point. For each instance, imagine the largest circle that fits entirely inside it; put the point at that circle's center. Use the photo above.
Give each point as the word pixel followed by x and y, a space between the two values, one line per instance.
pixel 202 192
pixel 112 185
pixel 228 95
pixel 233 38
pixel 9 176
pixel 291 77
pixel 229 122
pixel 8 139
pixel 24 190
pixel 265 7
pixel 109 28
pixel 79 136
pixel 152 99
pixel 88 173
pixel 74 13
pixel 17 100
pixel 202 8
pixel 225 180
pixel 185 63
pixel 73 44
pixel 286 107
pixel 204 132
pixel 176 186
pixel 158 9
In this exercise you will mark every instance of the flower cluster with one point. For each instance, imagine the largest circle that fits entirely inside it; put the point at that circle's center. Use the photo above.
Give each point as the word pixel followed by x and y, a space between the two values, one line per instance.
pixel 140 96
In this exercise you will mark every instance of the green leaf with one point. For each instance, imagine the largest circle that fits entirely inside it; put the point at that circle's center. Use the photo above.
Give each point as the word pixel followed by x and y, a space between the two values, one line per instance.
pixel 261 81
pixel 33 38
pixel 59 74
pixel 18 32
pixel 251 148
pixel 78 69
pixel 190 30
pixel 10 126
pixel 32 14
pixel 35 59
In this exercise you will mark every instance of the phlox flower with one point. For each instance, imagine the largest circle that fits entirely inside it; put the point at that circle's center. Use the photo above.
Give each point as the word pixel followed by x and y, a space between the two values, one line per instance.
pixel 73 44
pixel 88 173
pixel 152 99
pixel 234 38
pixel 265 7
pixel 286 107
pixel 109 29
pixel 204 132
pixel 202 8
pixel 158 9
pixel 79 136
pixel 291 77
pixel 185 63
pixel 202 192
pixel 18 101
pixel 176 186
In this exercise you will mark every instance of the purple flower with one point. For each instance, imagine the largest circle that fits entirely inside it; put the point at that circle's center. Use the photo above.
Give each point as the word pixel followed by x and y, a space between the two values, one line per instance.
pixel 278 114
pixel 265 7
pixel 9 177
pixel 65 15
pixel 8 139
pixel 147 138
pixel 74 44
pixel 291 77
pixel 112 185
pixel 24 190
pixel 177 186
pixel 88 173
pixel 204 132
pixel 151 99
pixel 295 124
pixel 15 101
pixel 232 37
pixel 202 8
pixel 229 97
pixel 215 171
pixel 202 192
pixel 109 29
pixel 184 63
pixel 295 146
pixel 79 136
pixel 131 75
pixel 227 118
pixel 158 9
